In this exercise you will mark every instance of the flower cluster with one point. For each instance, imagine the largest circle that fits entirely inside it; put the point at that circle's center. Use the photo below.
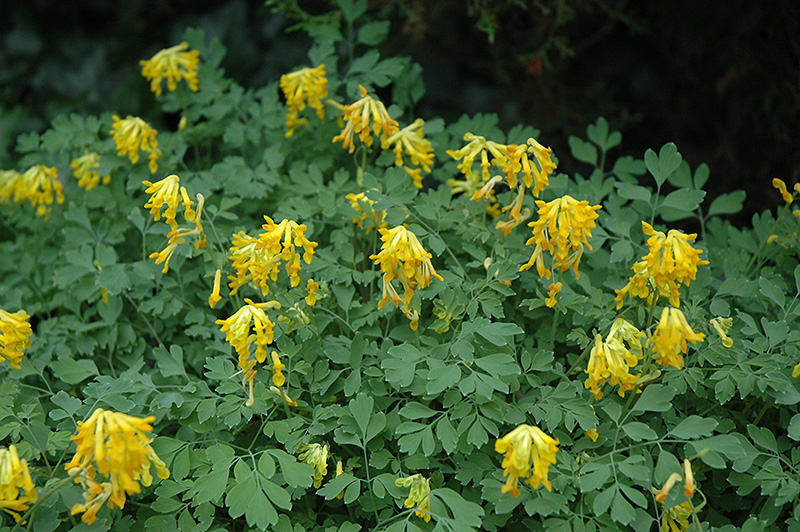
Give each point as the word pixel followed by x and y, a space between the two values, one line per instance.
pixel 611 360
pixel 307 85
pixel 411 140
pixel 282 240
pixel 315 455
pixel 84 168
pixel 403 257
pixel 16 486
pixel 133 134
pixel 520 447
pixel 363 206
pixel 364 118
pixel 116 447
pixel 15 333
pixel 672 333
pixel 174 64
pixel 419 490
pixel 38 185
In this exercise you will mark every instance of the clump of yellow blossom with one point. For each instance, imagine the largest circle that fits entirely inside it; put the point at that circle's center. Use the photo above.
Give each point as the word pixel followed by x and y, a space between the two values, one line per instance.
pixel 39 185
pixel 670 262
pixel 364 118
pixel 411 140
pixel 419 489
pixel 250 264
pixel 315 455
pixel 282 240
pixel 16 486
pixel 237 333
pixel 84 170
pixel 522 446
pixel 672 333
pixel 363 206
pixel 402 257
pixel 611 360
pixel 115 446
pixel 305 85
pixel 15 336
pixel 133 134
pixel 9 180
pixel 563 227
pixel 174 64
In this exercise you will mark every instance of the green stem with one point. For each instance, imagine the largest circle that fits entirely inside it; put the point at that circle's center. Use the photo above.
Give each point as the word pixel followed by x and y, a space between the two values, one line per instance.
pixel 764 241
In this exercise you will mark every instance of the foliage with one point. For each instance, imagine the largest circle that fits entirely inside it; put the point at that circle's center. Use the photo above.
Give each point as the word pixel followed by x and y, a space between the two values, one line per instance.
pixel 362 395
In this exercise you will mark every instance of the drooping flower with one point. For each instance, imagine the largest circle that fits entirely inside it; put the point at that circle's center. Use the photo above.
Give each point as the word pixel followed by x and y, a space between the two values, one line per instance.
pixel 15 336
pixel 133 134
pixel 312 286
pixel 676 518
pixel 562 229
pixel 477 146
pixel 84 170
pixel 168 192
pixel 315 455
pixel 283 395
pixel 402 257
pixel 278 378
pixel 215 298
pixel 40 186
pixel 16 485
pixel 419 489
pixel 592 434
pixel 722 326
pixel 781 187
pixel 116 446
pixel 364 118
pixel 339 471
pixel 307 85
pixel 95 494
pixel 9 181
pixel 363 205
pixel 173 64
pixel 522 446
pixel 282 240
pixel 672 333
pixel 612 360
pixel 796 371
pixel 411 140
pixel 638 285
pixel 552 292
pixel 178 235
pixel 251 264
pixel 534 161
pixel 671 261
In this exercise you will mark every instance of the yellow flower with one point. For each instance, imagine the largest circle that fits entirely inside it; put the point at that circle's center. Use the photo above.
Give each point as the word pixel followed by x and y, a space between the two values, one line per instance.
pixel 116 446
pixel 552 292
pixel 311 298
pixel 676 518
pixel 562 229
pixel 133 134
pixel 478 146
pixel 781 186
pixel 638 285
pixel 282 240
pixel 403 257
pixel 412 141
pixel 174 64
pixel 304 85
pixel 611 361
pixel 661 495
pixel 16 486
pixel 316 456
pixel 40 186
pixel 671 261
pixel 592 434
pixel 95 494
pixel 671 335
pixel 277 366
pixel 168 192
pixel 280 393
pixel 363 205
pixel 689 486
pixel 9 181
pixel 536 172
pixel 83 168
pixel 15 336
pixel 722 326
pixel 215 298
pixel 178 236
pixel 419 489
pixel 251 264
pixel 363 118
pixel 521 446
pixel 339 471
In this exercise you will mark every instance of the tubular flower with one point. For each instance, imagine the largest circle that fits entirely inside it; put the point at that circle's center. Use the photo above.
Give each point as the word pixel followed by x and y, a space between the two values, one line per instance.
pixel 39 185
pixel 174 64
pixel 638 285
pixel 304 85
pixel 312 286
pixel 671 261
pixel 316 456
pixel 412 141
pixel 251 264
pixel 15 336
pixel 215 298
pixel 676 518
pixel 419 489
pixel 552 292
pixel 722 326
pixel 781 187
pixel 116 446
pixel 562 229
pixel 339 471
pixel 363 206
pixel 277 366
pixel 478 146
pixel 168 192
pixel 133 134
pixel 83 168
pixel 9 181
pixel 521 446
pixel 178 236
pixel 237 333
pixel 16 486
pixel 669 340
pixel 280 393
pixel 536 170
pixel 282 240
pixel 611 361
pixel 365 117
pixel 403 257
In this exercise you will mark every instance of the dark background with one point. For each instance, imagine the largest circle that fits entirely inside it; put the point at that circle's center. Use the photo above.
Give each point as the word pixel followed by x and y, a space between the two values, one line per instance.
pixel 720 79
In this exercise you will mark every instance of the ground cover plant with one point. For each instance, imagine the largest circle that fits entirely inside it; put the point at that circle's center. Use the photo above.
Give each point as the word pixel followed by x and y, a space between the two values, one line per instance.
pixel 305 308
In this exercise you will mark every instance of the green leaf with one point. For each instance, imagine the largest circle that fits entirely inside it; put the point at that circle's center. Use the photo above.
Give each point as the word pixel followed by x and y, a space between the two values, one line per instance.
pixel 352 9
pixel 603 501
pixel 662 165
pixel 210 487
pixel 794 428
pixel 583 151
pixel 296 474
pixel 694 427
pixel 684 199
pixel 500 333
pixel 466 512
pixel 361 408
pixel 170 364
pixel 594 476
pixel 638 431
pixel 729 203
pixel 74 371
pixel 633 192
pixel 621 251
pixel 373 33
pixel 654 398
pixel 448 436
pixel 621 510
pixel 771 292
pixel 701 176
pixel 442 378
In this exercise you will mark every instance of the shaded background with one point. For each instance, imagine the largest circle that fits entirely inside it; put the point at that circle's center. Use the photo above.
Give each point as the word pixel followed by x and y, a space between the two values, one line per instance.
pixel 721 80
